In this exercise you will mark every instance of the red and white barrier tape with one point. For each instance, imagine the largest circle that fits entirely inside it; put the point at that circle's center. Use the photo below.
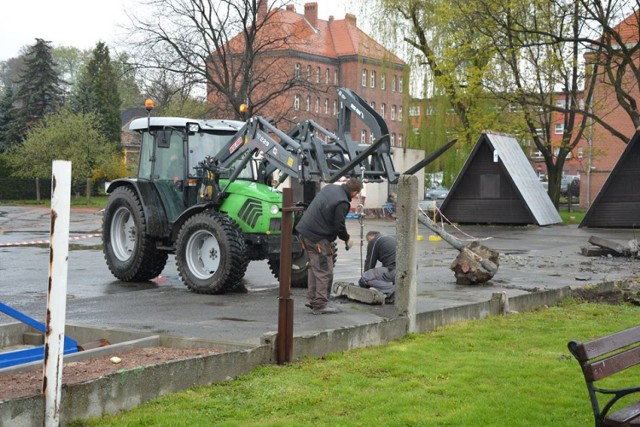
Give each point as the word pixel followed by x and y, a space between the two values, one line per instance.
pixel 46 242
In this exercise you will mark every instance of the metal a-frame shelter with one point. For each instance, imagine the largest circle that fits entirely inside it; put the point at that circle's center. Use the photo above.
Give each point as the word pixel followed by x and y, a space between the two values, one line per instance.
pixel 617 205
pixel 497 185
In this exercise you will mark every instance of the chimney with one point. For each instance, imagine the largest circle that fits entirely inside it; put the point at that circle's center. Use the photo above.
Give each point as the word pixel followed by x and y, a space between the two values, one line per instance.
pixel 350 17
pixel 311 13
pixel 261 13
pixel 291 7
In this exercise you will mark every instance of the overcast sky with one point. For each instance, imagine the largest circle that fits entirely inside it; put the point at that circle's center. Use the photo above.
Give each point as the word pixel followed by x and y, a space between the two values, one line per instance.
pixel 83 23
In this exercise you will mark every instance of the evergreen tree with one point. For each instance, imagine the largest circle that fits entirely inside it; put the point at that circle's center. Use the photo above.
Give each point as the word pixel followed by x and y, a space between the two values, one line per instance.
pixel 7 138
pixel 97 92
pixel 39 89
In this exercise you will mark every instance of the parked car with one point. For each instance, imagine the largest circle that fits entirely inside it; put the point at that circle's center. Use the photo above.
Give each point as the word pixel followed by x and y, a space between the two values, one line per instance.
pixel 570 185
pixel 439 192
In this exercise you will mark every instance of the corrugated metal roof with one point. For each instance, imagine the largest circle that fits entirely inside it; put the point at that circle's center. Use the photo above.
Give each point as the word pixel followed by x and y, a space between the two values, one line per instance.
pixel 517 165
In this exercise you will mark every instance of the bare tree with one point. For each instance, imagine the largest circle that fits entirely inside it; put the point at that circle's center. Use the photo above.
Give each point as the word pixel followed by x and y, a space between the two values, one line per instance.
pixel 233 47
pixel 614 49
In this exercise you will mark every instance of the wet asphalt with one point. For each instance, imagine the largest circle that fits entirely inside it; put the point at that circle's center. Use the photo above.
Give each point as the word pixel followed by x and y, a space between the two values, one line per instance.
pixel 531 259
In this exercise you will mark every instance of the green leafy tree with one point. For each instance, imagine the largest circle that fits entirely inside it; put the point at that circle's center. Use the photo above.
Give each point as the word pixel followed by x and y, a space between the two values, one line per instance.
pixel 39 90
pixel 70 60
pixel 452 61
pixel 63 136
pixel 97 92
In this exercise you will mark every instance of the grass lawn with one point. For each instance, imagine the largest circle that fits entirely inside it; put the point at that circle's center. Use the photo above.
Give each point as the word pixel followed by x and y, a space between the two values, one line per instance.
pixel 501 371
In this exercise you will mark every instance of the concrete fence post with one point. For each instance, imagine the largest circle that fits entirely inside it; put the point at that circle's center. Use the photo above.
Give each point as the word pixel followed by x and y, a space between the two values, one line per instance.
pixel 406 263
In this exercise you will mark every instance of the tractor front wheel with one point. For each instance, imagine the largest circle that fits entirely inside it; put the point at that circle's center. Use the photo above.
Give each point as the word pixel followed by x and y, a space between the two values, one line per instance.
pixel 210 253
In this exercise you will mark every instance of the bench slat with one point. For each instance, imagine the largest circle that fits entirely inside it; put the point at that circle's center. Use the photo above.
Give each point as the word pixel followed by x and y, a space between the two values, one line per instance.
pixel 629 416
pixel 603 368
pixel 600 346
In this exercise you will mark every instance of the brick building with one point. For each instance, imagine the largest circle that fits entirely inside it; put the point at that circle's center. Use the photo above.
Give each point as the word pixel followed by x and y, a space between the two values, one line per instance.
pixel 328 54
pixel 606 148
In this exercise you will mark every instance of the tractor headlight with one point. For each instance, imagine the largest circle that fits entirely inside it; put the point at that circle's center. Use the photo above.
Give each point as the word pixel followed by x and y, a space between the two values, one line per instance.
pixel 274 209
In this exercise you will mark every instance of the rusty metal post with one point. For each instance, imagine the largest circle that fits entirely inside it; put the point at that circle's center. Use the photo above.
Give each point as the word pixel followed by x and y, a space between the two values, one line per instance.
pixel 57 290
pixel 285 303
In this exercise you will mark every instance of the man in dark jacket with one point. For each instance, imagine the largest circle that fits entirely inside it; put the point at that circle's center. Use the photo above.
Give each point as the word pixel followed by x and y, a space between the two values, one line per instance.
pixel 380 248
pixel 320 225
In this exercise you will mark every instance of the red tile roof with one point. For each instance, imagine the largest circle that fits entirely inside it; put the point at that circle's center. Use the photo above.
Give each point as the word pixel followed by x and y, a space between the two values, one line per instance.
pixel 332 38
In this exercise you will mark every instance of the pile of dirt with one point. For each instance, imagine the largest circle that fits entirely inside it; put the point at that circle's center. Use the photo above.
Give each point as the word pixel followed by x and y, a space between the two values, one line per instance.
pixel 624 292
pixel 24 384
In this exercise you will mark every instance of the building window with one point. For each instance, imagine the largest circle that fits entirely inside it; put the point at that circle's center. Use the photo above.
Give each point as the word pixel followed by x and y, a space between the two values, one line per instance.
pixel 383 81
pixel 399 114
pixel 414 111
pixel 393 139
pixel 383 107
pixel 296 71
pixel 580 152
pixel 296 102
pixel 326 106
pixel 308 72
pixel 326 76
pixel 317 105
pixel 537 155
pixel 373 105
pixel 335 107
pixel 335 77
pixel 372 138
pixel 400 88
pixel 363 137
pixel 429 111
pixel 307 104
pixel 560 103
pixel 394 83
pixel 363 80
pixel 318 75
pixel 400 140
pixel 393 112
pixel 372 81
pixel 559 130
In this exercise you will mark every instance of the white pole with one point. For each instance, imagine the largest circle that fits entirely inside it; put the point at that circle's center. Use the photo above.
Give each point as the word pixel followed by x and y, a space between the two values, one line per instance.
pixel 57 290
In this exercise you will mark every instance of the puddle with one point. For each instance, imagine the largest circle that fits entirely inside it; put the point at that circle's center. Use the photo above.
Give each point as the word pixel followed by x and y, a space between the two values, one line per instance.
pixel 234 319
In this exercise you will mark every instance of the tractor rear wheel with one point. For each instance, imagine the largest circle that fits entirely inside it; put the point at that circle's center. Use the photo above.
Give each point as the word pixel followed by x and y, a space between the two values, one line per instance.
pixel 131 255
pixel 210 253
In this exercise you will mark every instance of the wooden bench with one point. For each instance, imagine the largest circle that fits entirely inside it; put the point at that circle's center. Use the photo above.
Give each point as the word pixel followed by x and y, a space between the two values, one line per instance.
pixel 602 358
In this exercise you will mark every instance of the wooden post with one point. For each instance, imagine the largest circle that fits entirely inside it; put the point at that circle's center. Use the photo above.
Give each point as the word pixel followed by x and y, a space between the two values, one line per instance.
pixel 37 189
pixel 285 303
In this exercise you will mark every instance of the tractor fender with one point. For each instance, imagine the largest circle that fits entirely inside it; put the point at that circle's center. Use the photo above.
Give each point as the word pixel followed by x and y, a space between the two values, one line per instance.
pixel 188 213
pixel 157 223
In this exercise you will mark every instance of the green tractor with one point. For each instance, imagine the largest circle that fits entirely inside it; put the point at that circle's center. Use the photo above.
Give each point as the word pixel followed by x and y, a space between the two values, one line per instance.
pixel 207 191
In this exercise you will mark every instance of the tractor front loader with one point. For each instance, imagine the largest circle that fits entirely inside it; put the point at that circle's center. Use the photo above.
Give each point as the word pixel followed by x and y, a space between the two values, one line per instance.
pixel 207 191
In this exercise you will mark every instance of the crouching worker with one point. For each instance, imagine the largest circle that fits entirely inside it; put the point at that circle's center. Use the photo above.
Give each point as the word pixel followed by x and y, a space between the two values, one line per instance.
pixel 380 248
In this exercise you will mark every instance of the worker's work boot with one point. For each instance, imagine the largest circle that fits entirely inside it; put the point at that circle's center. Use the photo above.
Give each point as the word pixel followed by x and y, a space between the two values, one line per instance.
pixel 328 309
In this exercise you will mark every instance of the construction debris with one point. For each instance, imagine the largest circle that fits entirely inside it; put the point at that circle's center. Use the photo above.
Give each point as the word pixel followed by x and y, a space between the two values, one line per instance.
pixel 354 292
pixel 475 264
pixel 604 247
